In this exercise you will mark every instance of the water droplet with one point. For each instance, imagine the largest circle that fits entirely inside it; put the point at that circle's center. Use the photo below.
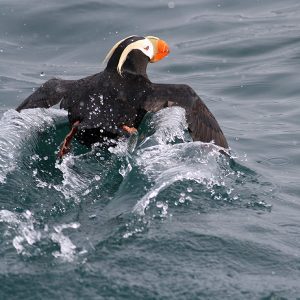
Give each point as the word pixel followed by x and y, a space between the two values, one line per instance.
pixel 171 4
pixel 159 204
pixel 181 200
pixel 86 192
pixel 188 198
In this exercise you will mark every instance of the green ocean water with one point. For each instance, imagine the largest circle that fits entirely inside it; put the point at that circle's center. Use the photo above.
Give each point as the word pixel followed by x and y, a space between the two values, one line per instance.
pixel 158 216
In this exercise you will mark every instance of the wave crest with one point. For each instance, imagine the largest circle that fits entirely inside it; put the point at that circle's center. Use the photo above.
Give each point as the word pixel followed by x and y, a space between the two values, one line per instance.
pixel 17 128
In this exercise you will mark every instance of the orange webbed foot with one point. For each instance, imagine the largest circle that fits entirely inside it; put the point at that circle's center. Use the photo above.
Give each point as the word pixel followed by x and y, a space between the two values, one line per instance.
pixel 66 145
pixel 130 130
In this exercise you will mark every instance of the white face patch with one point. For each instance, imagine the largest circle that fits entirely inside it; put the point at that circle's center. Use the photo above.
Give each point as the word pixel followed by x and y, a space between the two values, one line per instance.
pixel 147 48
pixel 144 45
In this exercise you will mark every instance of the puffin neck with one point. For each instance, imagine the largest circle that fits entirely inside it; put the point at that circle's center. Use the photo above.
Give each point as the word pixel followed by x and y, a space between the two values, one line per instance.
pixel 135 64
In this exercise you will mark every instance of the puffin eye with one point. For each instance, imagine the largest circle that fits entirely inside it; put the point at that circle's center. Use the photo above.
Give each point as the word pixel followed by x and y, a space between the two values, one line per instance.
pixel 146 48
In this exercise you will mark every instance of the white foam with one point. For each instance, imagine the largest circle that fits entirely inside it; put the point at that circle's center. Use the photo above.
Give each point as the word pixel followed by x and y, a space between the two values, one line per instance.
pixel 16 128
pixel 169 125
pixel 25 236
pixel 67 248
pixel 23 225
pixel 73 182
pixel 165 163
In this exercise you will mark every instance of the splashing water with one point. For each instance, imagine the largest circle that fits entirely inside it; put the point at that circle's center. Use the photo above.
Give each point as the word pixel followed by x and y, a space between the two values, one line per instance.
pixel 167 164
pixel 17 129
pixel 161 217
pixel 27 237
pixel 73 183
pixel 164 161
pixel 148 167
pixel 165 170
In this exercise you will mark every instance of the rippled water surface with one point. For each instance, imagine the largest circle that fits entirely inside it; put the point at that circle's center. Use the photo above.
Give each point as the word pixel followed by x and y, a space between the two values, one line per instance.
pixel 158 216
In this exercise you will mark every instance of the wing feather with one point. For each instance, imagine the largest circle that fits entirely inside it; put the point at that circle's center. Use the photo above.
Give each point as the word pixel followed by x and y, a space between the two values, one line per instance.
pixel 201 123
pixel 47 95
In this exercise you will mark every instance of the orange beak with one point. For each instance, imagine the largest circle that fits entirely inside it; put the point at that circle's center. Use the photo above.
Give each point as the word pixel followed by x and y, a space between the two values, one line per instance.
pixel 162 51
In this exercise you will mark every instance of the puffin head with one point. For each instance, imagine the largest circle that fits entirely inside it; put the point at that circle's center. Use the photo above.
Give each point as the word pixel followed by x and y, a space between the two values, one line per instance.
pixel 133 54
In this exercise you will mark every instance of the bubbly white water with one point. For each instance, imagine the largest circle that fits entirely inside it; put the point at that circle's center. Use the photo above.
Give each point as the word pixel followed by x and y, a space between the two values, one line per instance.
pixel 165 162
pixel 22 226
pixel 72 182
pixel 67 248
pixel 164 155
pixel 170 125
pixel 17 128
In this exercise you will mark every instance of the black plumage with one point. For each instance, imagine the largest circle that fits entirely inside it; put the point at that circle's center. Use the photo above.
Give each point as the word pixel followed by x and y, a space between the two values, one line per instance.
pixel 102 103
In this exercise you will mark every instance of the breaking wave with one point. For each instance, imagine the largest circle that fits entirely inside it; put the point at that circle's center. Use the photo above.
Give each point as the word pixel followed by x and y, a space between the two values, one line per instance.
pixel 20 131
pixel 153 174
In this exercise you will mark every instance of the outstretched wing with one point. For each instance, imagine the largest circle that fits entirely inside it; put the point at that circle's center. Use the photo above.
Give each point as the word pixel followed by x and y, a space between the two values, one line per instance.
pixel 47 95
pixel 201 123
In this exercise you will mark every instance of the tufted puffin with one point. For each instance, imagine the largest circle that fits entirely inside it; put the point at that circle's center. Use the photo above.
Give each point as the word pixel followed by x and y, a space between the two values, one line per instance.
pixel 106 105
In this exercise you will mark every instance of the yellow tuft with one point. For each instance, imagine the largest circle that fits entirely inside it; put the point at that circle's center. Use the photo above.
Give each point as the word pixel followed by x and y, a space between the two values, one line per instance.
pixel 148 46
pixel 112 50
